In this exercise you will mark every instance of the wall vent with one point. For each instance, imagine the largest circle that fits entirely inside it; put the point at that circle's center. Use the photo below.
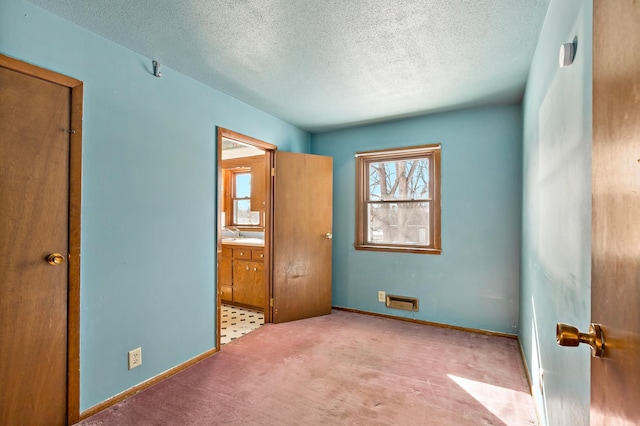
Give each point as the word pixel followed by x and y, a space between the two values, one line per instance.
pixel 402 302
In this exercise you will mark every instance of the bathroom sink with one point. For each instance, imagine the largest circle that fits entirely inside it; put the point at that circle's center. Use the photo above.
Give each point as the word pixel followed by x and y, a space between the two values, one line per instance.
pixel 255 242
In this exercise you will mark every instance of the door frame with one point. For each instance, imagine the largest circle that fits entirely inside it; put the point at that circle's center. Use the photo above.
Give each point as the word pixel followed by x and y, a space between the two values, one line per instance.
pixel 75 194
pixel 268 149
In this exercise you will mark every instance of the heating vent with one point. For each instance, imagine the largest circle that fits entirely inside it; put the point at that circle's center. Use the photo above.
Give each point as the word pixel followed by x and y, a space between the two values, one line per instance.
pixel 402 302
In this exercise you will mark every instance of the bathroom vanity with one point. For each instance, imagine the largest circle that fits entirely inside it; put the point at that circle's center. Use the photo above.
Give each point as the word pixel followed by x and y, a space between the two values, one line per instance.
pixel 241 272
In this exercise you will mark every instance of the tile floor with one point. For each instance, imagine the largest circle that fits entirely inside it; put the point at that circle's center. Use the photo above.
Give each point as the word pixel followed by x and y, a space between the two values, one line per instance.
pixel 236 322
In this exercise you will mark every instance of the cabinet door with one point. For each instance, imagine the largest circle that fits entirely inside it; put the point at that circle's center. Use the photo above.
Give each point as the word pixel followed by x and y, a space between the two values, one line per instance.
pixel 258 285
pixel 258 184
pixel 225 275
pixel 243 282
pixel 226 293
pixel 248 283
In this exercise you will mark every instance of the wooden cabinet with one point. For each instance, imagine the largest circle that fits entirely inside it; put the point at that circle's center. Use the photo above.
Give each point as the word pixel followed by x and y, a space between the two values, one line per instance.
pixel 259 289
pixel 242 253
pixel 257 254
pixel 225 274
pixel 244 267
pixel 248 283
pixel 258 184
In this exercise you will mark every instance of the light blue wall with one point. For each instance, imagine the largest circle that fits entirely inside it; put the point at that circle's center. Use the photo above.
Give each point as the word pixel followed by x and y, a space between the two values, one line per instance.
pixel 149 185
pixel 556 244
pixel 474 283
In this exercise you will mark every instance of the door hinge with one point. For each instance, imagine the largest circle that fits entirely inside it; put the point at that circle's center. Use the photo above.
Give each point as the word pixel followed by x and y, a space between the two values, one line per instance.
pixel 273 171
pixel 271 302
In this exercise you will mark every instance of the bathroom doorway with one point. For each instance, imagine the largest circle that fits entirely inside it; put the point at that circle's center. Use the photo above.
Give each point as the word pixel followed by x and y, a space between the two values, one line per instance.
pixel 243 235
pixel 275 235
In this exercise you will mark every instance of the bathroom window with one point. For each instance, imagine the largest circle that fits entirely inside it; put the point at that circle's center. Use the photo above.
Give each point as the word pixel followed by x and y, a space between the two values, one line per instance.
pixel 243 192
pixel 398 200
pixel 241 199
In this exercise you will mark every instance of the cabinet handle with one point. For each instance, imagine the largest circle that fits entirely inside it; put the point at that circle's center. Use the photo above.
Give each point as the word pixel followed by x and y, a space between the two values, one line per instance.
pixel 241 253
pixel 247 268
pixel 261 254
pixel 255 269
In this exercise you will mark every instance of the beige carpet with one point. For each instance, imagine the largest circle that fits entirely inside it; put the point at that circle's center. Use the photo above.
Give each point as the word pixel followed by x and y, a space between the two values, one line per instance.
pixel 342 369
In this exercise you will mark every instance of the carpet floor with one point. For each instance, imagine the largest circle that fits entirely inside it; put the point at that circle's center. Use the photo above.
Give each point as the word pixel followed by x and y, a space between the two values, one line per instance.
pixel 342 369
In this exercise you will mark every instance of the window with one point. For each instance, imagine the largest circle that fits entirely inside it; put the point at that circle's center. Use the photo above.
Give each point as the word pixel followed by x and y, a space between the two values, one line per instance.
pixel 243 190
pixel 241 200
pixel 398 200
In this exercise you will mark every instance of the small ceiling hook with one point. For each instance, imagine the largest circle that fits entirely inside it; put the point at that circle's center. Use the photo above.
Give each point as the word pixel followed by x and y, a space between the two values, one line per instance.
pixel 156 69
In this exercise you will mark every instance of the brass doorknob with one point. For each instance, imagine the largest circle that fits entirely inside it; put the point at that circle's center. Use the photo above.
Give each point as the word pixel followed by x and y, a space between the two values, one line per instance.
pixel 568 335
pixel 328 235
pixel 55 259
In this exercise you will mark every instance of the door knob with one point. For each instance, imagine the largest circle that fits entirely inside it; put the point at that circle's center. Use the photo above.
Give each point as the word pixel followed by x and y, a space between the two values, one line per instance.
pixel 328 235
pixel 568 335
pixel 55 259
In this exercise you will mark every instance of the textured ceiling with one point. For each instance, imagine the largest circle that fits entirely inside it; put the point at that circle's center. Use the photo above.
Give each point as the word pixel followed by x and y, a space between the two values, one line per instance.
pixel 326 64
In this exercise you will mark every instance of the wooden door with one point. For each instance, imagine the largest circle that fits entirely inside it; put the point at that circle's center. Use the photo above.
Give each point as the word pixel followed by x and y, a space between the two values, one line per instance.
pixel 303 186
pixel 35 125
pixel 615 293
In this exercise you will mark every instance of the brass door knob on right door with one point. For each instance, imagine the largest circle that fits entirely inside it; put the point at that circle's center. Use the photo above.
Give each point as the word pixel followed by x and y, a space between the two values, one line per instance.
pixel 568 335
pixel 55 259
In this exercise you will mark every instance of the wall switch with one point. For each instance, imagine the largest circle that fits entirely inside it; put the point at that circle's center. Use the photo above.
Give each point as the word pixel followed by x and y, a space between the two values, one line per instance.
pixel 381 296
pixel 135 358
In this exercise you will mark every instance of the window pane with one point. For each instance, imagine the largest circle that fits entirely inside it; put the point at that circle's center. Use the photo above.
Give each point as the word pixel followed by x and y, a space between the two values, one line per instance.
pixel 398 223
pixel 241 212
pixel 243 185
pixel 399 180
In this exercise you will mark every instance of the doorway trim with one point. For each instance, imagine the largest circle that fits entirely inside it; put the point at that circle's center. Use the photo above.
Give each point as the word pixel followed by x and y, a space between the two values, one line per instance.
pixel 75 193
pixel 269 149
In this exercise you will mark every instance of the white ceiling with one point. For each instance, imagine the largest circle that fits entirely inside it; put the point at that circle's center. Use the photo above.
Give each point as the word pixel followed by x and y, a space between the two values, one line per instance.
pixel 327 64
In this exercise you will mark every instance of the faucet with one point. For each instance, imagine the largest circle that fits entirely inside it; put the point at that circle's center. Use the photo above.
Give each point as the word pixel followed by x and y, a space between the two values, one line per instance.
pixel 235 231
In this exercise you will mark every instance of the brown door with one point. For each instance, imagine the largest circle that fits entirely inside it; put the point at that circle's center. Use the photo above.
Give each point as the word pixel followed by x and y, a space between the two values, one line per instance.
pixel 615 294
pixel 34 189
pixel 303 186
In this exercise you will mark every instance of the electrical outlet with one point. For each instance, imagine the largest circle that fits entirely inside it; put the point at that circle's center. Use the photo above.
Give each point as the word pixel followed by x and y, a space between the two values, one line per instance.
pixel 135 358
pixel 381 296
